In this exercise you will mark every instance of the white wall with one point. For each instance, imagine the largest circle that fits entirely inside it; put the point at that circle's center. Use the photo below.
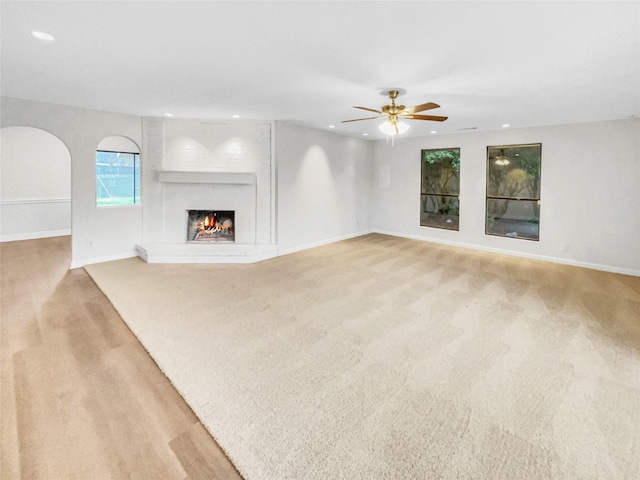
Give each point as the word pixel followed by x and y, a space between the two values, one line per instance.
pixel 118 144
pixel 97 234
pixel 35 184
pixel 328 186
pixel 590 193
pixel 323 185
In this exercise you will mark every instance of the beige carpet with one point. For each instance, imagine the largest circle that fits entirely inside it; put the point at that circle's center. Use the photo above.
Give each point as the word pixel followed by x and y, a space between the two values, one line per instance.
pixel 387 358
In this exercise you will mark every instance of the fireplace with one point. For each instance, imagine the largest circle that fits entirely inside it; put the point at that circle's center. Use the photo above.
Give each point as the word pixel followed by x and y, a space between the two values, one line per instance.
pixel 210 226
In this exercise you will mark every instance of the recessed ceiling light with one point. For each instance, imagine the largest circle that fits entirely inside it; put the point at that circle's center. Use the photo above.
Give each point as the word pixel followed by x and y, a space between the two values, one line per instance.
pixel 236 116
pixel 506 125
pixel 365 134
pixel 168 114
pixel 43 36
pixel 433 131
pixel 332 126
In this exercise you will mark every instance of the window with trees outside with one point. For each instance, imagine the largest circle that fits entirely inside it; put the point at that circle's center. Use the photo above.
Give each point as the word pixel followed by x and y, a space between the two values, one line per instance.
pixel 117 178
pixel 513 191
pixel 439 202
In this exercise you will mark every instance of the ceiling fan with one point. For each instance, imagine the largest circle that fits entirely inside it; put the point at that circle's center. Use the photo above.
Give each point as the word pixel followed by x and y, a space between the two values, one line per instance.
pixel 395 114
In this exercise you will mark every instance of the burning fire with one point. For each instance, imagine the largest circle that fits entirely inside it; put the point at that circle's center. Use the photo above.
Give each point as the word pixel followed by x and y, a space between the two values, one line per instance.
pixel 211 225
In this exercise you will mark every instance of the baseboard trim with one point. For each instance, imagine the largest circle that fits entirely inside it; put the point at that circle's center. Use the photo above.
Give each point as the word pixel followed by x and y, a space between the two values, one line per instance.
pixel 14 237
pixel 307 246
pixel 108 258
pixel 531 256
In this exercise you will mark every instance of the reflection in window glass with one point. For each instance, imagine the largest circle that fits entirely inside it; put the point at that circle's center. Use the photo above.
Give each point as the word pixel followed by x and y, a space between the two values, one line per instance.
pixel 439 202
pixel 513 191
pixel 513 218
pixel 117 178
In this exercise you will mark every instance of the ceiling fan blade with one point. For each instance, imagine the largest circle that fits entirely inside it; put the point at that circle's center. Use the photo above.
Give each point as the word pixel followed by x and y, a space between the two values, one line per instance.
pixel 358 119
pixel 369 109
pixel 433 118
pixel 419 108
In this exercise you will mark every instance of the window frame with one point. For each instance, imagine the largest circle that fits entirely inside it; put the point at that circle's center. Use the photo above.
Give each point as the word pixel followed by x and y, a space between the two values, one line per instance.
pixel 511 198
pixel 424 193
pixel 138 184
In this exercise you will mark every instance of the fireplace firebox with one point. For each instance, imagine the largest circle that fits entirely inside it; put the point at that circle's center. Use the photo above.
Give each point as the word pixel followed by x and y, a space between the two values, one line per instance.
pixel 210 226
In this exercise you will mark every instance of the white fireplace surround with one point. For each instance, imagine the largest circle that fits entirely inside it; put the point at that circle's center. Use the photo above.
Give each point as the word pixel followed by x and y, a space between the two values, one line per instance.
pixel 183 191
pixel 191 165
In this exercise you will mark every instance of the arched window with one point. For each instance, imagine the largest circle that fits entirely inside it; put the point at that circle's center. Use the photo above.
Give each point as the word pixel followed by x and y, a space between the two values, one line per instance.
pixel 117 172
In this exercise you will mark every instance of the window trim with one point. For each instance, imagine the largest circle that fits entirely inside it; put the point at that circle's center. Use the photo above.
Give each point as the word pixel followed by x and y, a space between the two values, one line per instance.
pixel 424 193
pixel 496 197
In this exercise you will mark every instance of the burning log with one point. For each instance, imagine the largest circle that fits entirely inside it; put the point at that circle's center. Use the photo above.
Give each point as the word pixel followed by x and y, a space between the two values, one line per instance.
pixel 211 226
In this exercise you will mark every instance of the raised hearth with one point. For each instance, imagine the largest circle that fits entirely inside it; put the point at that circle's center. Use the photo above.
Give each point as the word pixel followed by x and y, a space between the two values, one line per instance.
pixel 205 252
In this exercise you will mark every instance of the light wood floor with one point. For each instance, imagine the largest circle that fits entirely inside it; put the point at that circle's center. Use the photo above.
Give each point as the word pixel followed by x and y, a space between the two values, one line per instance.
pixel 80 397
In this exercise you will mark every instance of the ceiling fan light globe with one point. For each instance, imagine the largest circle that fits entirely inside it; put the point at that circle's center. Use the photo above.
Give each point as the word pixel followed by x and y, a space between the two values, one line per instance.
pixel 389 128
pixel 402 127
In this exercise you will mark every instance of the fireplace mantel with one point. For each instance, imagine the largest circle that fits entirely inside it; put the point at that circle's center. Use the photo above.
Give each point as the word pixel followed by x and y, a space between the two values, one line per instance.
pixel 223 178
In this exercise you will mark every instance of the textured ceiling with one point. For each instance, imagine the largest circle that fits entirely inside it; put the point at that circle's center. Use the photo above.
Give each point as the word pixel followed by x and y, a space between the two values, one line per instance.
pixel 307 62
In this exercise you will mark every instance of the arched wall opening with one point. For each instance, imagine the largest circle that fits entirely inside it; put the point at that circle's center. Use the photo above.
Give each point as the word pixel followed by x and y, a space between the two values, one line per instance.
pixel 35 184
